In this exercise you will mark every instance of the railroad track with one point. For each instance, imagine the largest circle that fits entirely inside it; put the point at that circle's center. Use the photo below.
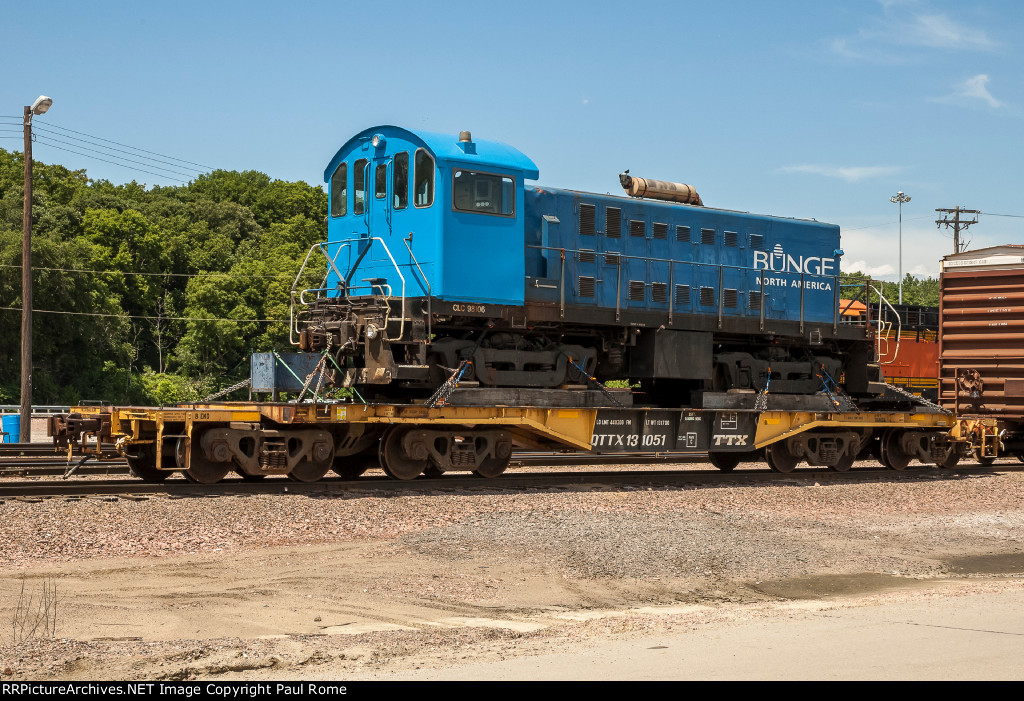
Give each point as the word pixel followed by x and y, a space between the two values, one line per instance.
pixel 175 487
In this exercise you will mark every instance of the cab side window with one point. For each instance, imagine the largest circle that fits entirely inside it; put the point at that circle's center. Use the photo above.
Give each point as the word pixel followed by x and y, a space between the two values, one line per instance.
pixel 424 182
pixel 359 186
pixel 339 191
pixel 400 180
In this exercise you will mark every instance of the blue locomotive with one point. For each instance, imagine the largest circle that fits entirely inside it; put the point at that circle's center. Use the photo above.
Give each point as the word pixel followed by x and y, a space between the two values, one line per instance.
pixel 441 257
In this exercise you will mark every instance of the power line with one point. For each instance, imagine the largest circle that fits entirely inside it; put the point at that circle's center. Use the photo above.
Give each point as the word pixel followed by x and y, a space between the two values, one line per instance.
pixel 108 148
pixel 122 272
pixel 1015 216
pixel 140 170
pixel 153 318
pixel 888 223
pixel 47 140
pixel 82 133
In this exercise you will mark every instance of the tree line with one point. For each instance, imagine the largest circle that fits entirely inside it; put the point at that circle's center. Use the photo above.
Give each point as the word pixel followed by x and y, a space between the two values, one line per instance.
pixel 149 295
pixel 158 295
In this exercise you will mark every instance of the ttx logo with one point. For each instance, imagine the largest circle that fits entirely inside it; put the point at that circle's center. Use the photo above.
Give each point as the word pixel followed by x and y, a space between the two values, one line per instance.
pixel 730 439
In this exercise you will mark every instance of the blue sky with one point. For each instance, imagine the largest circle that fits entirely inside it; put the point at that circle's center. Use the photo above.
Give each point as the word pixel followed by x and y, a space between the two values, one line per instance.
pixel 804 109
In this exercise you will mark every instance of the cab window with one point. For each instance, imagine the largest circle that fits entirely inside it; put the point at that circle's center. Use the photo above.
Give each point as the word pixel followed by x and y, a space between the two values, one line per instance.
pixel 359 186
pixel 339 191
pixel 424 183
pixel 483 193
pixel 380 179
pixel 400 180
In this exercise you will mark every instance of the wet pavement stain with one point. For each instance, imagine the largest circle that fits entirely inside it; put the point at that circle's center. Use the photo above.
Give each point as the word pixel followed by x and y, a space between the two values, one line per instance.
pixel 829 585
pixel 994 564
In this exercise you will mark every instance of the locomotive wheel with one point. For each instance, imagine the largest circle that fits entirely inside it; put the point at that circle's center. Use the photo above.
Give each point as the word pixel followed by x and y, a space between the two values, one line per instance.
pixel 982 460
pixel 844 463
pixel 144 466
pixel 893 456
pixel 202 470
pixel 780 459
pixel 395 461
pixel 726 462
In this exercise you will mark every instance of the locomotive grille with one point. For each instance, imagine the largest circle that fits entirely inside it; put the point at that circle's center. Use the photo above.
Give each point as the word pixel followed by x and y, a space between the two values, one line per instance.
pixel 613 222
pixel 682 295
pixel 707 237
pixel 659 292
pixel 636 290
pixel 586 286
pixel 611 258
pixel 730 298
pixel 586 255
pixel 660 231
pixel 588 219
pixel 637 228
pixel 683 234
pixel 755 301
pixel 757 242
pixel 707 296
pixel 732 239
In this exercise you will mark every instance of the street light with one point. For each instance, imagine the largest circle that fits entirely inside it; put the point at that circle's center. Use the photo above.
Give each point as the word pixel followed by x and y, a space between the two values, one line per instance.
pixel 899 198
pixel 40 106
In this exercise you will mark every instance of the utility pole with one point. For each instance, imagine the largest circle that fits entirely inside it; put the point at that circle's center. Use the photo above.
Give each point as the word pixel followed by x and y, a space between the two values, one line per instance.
pixel 957 223
pixel 40 106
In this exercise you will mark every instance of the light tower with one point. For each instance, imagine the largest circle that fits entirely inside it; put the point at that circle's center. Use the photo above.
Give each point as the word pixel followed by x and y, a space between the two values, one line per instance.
pixel 899 198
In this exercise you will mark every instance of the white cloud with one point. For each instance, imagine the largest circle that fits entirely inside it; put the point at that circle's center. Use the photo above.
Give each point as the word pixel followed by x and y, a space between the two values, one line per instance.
pixel 970 90
pixel 850 174
pixel 939 31
pixel 976 87
pixel 874 271
pixel 899 26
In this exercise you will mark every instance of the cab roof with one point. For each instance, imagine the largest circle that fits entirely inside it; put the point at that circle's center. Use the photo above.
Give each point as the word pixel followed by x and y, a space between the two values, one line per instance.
pixel 446 149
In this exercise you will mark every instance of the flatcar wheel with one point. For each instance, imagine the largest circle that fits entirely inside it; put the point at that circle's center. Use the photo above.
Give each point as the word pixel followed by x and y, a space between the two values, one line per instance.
pixel 492 467
pixel 893 456
pixel 726 462
pixel 349 467
pixel 780 459
pixel 144 466
pixel 844 463
pixel 310 470
pixel 201 469
pixel 395 461
pixel 982 460
pixel 950 458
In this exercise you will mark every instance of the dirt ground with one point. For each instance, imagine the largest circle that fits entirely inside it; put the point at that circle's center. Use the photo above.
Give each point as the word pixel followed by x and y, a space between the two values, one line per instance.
pixel 470 576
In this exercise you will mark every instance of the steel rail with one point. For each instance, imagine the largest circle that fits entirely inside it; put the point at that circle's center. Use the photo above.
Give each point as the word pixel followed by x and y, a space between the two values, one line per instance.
pixel 177 487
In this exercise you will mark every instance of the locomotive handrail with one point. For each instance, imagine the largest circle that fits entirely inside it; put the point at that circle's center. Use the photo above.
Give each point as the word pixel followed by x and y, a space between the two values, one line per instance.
pixel 672 262
pixel 887 327
pixel 292 316
pixel 430 295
